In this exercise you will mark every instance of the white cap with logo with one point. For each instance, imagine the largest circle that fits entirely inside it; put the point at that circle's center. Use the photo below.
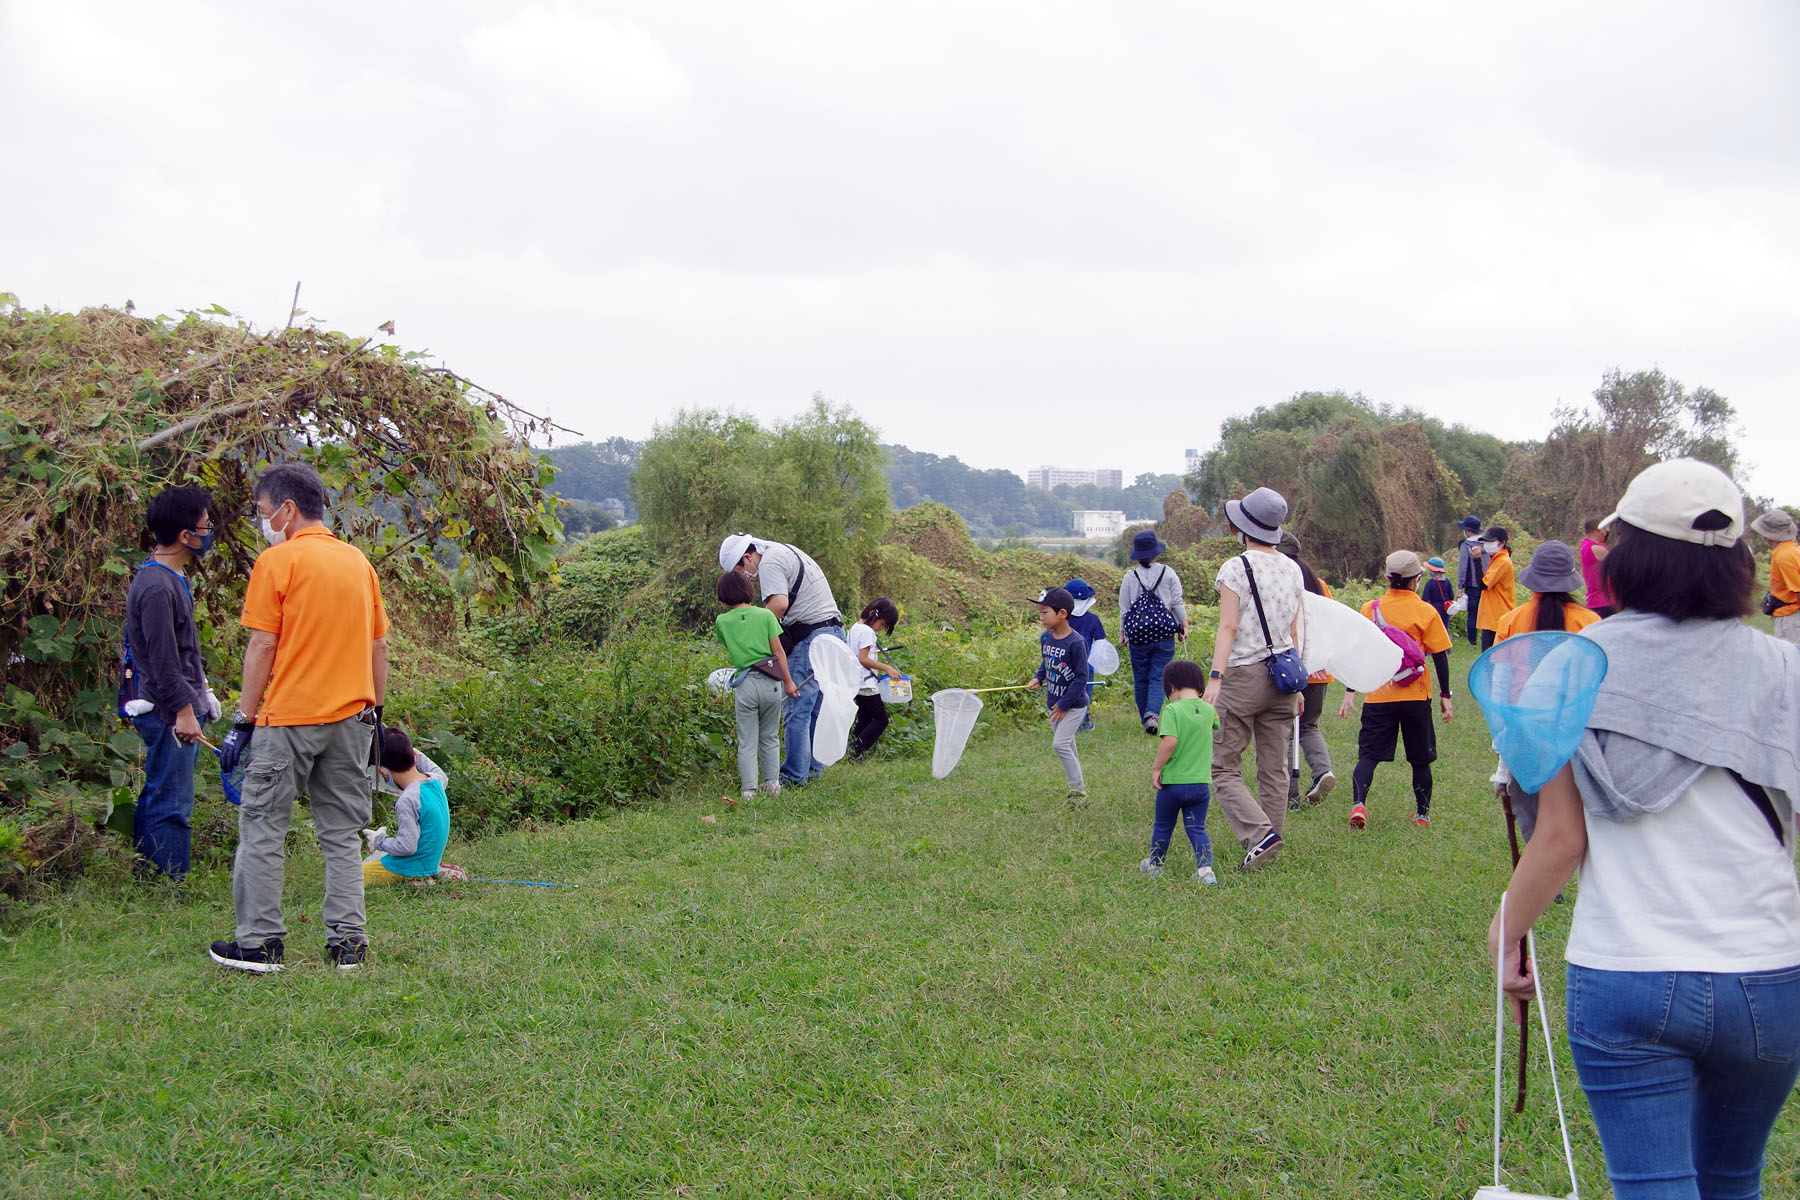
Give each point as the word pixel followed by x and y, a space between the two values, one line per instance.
pixel 1668 498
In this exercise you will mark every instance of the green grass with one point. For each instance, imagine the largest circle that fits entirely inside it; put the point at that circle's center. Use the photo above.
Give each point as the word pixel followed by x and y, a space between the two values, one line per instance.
pixel 883 986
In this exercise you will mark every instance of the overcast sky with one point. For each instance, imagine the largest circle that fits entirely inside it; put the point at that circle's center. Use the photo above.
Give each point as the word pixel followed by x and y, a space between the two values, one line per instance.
pixel 1020 233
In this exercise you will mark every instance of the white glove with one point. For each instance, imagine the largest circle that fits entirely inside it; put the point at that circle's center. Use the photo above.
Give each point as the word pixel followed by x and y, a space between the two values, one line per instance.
pixel 371 836
pixel 1501 776
pixel 137 708
pixel 210 706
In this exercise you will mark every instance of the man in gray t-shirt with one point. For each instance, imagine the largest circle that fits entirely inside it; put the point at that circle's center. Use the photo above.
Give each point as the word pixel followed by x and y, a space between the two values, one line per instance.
pixel 797 592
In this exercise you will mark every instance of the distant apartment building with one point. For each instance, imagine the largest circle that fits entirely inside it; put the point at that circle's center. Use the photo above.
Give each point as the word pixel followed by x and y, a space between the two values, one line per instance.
pixel 1097 522
pixel 1053 477
pixel 1191 464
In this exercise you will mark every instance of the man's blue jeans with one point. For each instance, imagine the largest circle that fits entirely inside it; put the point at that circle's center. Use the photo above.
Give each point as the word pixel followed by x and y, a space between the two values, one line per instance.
pixel 161 831
pixel 801 713
pixel 1685 1073
pixel 1147 663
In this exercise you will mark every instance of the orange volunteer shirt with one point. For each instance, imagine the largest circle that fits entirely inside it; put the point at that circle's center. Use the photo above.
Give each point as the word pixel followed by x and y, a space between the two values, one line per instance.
pixel 1406 612
pixel 1498 596
pixel 1784 577
pixel 1523 619
pixel 320 598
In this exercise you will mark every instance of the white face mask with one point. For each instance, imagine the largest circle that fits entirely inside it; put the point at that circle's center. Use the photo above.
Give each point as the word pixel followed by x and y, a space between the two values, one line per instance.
pixel 1490 547
pixel 272 535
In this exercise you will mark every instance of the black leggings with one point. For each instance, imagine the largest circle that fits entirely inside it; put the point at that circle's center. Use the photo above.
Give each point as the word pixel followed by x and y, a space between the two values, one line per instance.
pixel 871 720
pixel 1364 775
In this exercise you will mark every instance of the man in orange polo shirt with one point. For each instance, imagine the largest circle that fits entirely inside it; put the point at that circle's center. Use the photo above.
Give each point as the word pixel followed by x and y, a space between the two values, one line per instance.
pixel 315 673
pixel 1397 709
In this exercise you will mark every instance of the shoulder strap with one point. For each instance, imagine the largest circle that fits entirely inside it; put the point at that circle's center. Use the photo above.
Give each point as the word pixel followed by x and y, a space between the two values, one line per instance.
pixel 1764 805
pixel 1257 597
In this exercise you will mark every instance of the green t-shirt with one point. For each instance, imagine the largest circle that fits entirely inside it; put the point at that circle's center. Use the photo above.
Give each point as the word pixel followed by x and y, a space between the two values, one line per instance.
pixel 1191 724
pixel 746 632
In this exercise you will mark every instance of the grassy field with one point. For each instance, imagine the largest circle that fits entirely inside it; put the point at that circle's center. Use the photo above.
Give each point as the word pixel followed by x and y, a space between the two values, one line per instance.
pixel 884 986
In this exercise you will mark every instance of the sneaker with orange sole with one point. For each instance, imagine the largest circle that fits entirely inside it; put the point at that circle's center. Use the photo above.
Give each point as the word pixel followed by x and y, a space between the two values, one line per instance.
pixel 1421 820
pixel 1359 816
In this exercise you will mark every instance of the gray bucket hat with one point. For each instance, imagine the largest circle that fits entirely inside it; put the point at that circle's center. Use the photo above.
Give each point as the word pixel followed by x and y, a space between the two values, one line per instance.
pixel 1551 569
pixel 1777 525
pixel 1259 514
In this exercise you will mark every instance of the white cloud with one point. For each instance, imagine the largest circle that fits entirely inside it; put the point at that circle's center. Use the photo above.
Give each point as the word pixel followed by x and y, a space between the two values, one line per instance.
pixel 558 52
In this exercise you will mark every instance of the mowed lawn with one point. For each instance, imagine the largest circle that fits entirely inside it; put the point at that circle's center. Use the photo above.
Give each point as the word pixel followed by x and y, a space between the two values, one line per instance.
pixel 884 986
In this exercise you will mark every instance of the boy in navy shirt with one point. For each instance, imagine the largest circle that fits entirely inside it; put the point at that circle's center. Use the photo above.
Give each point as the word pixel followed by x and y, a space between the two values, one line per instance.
pixel 1064 676
pixel 1083 621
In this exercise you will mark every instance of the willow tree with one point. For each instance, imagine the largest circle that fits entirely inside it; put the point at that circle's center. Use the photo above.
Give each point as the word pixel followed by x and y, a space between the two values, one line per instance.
pixel 101 409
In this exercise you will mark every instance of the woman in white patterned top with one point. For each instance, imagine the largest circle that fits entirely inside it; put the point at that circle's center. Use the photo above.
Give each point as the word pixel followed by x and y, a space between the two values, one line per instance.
pixel 1250 709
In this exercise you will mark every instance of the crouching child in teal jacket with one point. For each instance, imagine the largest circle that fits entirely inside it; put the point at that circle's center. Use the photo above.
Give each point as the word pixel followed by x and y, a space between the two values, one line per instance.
pixel 415 851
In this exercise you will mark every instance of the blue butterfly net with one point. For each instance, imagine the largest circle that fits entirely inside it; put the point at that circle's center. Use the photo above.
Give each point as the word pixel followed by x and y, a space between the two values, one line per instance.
pixel 232 781
pixel 1537 691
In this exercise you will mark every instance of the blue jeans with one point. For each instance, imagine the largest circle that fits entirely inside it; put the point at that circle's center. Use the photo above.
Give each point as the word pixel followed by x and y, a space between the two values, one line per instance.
pixel 1147 663
pixel 1685 1073
pixel 162 829
pixel 1189 801
pixel 802 712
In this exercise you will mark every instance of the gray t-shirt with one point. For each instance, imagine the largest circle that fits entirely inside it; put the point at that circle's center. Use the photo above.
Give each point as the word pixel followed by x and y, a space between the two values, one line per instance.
pixel 780 564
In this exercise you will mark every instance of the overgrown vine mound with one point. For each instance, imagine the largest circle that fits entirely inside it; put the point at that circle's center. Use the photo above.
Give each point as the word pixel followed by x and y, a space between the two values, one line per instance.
pixel 101 409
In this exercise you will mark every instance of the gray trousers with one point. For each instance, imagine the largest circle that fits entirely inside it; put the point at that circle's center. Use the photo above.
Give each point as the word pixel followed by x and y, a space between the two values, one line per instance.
pixel 1312 742
pixel 1062 740
pixel 1788 628
pixel 330 765
pixel 758 708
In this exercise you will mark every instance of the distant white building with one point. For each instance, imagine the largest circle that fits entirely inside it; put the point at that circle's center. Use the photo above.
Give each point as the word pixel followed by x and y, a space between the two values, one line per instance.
pixel 1192 463
pixel 1097 522
pixel 1053 477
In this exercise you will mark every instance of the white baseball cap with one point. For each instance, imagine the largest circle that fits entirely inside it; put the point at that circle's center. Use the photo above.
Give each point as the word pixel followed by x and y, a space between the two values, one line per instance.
pixel 733 549
pixel 1667 498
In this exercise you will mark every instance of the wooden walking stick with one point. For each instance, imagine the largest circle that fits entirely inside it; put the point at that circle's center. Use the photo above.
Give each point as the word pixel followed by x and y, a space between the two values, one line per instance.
pixel 1512 837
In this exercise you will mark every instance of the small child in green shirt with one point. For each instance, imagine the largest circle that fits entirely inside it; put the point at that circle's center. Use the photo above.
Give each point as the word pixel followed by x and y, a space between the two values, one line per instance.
pixel 1182 773
pixel 750 636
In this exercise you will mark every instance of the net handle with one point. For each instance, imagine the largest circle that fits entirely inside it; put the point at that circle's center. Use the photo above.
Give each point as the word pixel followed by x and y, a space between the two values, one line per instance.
pixel 1537 985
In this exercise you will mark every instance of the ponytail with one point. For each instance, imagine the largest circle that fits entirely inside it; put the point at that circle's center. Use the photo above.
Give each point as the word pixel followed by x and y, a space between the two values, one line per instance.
pixel 1551 606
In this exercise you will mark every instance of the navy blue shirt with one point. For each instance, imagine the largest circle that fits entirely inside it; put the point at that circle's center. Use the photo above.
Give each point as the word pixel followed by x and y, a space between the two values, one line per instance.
pixel 1438 593
pixel 1089 627
pixel 1064 671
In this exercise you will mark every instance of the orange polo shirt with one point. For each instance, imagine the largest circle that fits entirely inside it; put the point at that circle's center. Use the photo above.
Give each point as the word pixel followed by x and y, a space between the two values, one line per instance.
pixel 1523 619
pixel 1784 577
pixel 1405 611
pixel 320 598
pixel 1498 596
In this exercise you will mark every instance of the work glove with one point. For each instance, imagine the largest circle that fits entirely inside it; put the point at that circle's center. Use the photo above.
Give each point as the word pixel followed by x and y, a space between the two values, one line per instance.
pixel 210 708
pixel 371 836
pixel 233 745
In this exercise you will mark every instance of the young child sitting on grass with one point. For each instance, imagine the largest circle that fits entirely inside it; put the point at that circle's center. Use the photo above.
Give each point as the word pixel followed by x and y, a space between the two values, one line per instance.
pixel 1182 772
pixel 421 815
pixel 1064 676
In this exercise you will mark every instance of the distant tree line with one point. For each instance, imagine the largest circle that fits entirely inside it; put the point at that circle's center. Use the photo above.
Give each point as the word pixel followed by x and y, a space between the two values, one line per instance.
pixel 995 503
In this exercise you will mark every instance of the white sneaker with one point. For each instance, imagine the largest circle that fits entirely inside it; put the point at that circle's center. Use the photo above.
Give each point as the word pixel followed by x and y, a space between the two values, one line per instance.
pixel 1205 875
pixel 1321 788
pixel 1151 867
pixel 749 794
pixel 770 789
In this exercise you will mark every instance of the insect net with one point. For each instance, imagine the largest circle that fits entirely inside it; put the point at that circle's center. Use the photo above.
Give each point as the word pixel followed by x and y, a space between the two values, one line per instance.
pixel 1537 691
pixel 953 712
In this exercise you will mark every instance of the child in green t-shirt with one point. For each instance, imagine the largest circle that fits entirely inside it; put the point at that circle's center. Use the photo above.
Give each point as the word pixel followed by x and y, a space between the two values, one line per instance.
pixel 750 635
pixel 1182 773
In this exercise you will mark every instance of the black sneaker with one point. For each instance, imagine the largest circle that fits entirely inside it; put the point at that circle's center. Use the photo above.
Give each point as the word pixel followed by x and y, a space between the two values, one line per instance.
pixel 1261 853
pixel 347 955
pixel 260 959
